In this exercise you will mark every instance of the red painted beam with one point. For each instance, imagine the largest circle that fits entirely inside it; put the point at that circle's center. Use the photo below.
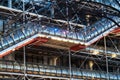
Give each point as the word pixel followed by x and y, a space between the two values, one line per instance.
pixel 18 47
pixel 6 53
pixel 24 44
pixel 44 40
pixel 40 40
pixel 77 47
pixel 116 31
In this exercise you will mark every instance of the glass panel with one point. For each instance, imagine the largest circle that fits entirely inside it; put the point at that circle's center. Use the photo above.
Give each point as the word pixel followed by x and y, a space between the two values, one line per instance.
pixel 58 71
pixel 103 75
pixel 10 40
pixel 26 32
pixel 35 67
pixel 16 37
pixel 4 42
pixel 79 72
pixel 21 35
pixel 1 46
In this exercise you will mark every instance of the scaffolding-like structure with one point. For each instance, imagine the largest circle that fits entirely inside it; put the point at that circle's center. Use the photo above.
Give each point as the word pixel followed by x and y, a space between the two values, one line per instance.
pixel 59 39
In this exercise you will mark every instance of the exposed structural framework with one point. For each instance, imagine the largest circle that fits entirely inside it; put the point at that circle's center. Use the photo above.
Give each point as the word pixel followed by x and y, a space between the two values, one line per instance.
pixel 28 34
pixel 84 36
pixel 77 23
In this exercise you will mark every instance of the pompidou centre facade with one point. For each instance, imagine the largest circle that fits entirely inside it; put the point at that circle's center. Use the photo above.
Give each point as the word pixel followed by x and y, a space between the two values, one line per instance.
pixel 59 39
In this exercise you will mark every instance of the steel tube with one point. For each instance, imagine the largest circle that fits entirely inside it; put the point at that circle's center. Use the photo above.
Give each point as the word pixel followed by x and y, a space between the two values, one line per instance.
pixel 60 71
pixel 50 32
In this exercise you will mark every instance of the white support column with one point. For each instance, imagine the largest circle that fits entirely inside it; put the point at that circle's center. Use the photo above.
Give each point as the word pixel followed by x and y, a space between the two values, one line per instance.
pixel 55 61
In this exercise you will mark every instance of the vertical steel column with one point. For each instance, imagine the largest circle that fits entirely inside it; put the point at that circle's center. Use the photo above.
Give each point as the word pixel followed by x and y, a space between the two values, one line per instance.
pixel 24 62
pixel 106 58
pixel 70 63
pixel 10 3
pixel 67 14
pixel 52 10
pixel 24 46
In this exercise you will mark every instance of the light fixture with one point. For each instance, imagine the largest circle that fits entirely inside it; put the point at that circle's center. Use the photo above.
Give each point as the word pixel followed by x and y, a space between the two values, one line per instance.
pixel 76 42
pixel 56 38
pixel 65 40
pixel 64 32
pixel 67 31
pixel 13 49
pixel 43 26
pixel 55 29
pixel 60 39
pixel 91 63
pixel 95 52
pixel 71 41
pixel 114 55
